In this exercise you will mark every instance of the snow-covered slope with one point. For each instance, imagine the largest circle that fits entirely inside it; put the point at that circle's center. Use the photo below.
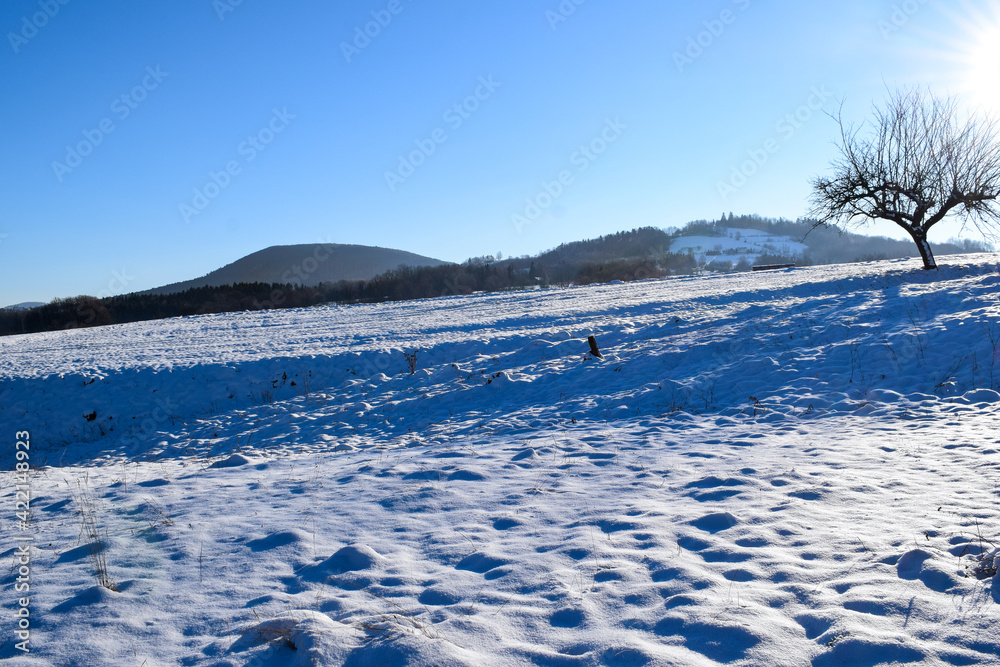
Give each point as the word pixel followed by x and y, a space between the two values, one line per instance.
pixel 738 244
pixel 786 468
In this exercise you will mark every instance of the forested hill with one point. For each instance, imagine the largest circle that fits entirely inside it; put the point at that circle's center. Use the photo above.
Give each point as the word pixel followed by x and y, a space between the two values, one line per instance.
pixel 643 242
pixel 308 264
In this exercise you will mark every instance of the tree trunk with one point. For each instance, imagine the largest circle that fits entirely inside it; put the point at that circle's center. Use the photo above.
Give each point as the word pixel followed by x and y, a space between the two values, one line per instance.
pixel 920 238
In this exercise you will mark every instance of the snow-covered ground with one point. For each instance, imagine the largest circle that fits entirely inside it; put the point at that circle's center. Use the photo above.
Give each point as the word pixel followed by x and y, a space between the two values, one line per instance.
pixel 783 468
pixel 738 244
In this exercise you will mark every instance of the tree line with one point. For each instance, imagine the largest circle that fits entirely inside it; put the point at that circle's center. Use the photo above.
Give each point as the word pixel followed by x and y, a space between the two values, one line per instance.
pixel 624 256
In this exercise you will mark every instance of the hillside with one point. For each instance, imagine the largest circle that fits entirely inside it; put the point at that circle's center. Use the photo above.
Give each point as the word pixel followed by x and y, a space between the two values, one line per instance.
pixel 307 264
pixel 24 305
pixel 737 245
pixel 642 242
pixel 791 468
pixel 751 239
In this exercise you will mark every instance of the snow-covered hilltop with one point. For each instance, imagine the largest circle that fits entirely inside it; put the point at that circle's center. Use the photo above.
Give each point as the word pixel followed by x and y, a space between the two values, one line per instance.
pixel 739 245
pixel 782 468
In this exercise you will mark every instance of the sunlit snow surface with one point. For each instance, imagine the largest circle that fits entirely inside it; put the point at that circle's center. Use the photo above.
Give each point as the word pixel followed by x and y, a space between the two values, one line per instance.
pixel 781 468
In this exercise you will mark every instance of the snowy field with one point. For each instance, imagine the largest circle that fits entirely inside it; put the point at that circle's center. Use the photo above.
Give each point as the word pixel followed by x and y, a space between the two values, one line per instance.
pixel 798 467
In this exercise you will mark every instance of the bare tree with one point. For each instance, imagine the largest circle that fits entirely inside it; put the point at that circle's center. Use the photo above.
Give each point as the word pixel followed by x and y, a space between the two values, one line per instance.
pixel 922 160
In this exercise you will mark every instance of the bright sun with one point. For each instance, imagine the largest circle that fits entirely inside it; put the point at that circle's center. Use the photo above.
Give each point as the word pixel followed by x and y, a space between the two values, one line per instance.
pixel 973 51
pixel 983 78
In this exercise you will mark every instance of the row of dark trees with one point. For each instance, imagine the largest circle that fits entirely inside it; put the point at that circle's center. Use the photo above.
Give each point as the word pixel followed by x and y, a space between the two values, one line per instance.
pixel 625 256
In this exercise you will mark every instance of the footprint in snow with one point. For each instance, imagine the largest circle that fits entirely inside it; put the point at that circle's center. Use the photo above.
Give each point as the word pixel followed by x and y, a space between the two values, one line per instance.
pixel 715 641
pixel 715 522
pixel 682 600
pixel 714 488
pixel 613 525
pixel 860 652
pixel 480 563
pixel 806 494
pixel 567 618
pixel 424 476
pixel 88 596
pixel 813 625
pixel 712 482
pixel 54 507
pixel 76 553
pixel 505 523
pixel 438 597
pixel 915 564
pixel 751 542
pixel 724 555
pixel 692 543
pixel 667 574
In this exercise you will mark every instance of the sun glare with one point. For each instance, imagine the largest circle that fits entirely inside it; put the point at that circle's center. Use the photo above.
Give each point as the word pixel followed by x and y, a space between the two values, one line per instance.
pixel 973 50
pixel 983 77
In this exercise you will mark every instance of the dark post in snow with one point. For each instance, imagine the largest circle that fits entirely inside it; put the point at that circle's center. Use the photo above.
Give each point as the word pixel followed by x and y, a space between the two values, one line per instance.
pixel 593 347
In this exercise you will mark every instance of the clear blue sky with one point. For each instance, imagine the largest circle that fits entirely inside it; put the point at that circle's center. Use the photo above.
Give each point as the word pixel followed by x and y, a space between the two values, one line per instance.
pixel 309 127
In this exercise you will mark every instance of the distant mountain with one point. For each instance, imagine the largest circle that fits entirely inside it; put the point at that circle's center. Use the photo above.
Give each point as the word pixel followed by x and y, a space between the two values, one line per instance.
pixel 308 264
pixel 24 305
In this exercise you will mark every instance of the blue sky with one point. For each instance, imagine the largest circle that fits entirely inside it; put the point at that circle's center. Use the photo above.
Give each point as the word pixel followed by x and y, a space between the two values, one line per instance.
pixel 147 143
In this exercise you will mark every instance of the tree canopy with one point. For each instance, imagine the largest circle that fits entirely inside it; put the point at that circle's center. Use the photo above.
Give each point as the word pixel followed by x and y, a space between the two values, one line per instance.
pixel 920 160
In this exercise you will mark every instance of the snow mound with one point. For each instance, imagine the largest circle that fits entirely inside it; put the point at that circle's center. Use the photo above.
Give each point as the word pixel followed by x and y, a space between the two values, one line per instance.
pixel 315 638
pixel 351 558
pixel 280 539
pixel 233 461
